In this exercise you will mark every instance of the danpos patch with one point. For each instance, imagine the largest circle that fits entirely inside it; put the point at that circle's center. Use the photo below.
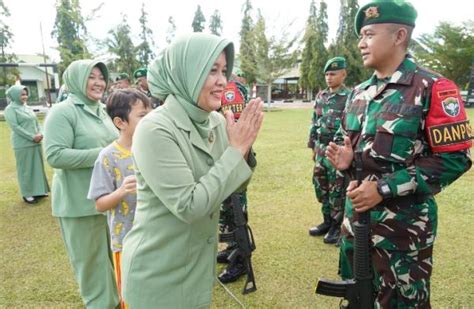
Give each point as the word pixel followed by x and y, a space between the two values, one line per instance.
pixel 447 126
pixel 450 133
pixel 233 99
pixel 451 106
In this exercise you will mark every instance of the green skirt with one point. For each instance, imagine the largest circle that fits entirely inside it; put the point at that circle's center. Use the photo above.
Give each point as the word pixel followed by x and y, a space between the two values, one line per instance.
pixel 30 171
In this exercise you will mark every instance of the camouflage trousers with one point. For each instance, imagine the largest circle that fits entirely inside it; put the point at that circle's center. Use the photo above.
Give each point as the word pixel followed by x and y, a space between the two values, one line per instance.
pixel 401 278
pixel 329 185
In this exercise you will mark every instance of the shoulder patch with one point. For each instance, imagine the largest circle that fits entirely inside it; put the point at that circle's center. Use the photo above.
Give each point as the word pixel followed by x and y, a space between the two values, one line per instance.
pixel 233 99
pixel 447 126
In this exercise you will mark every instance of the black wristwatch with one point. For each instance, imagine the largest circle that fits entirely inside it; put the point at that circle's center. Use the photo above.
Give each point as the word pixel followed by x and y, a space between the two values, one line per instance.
pixel 383 189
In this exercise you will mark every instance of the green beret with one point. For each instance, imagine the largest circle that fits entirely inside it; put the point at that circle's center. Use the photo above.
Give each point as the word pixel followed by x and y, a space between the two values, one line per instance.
pixel 334 64
pixel 141 72
pixel 385 11
pixel 122 76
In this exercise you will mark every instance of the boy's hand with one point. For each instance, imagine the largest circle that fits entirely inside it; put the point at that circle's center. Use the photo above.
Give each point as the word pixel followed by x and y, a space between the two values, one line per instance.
pixel 129 185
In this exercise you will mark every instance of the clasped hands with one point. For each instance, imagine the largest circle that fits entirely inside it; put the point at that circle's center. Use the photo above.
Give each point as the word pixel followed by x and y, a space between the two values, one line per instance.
pixel 243 133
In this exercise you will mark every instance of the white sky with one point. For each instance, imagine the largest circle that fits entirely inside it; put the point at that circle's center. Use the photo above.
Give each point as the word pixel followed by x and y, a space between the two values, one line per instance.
pixel 26 16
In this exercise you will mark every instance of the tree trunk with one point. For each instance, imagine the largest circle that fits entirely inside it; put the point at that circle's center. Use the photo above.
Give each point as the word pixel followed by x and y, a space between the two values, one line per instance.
pixel 269 94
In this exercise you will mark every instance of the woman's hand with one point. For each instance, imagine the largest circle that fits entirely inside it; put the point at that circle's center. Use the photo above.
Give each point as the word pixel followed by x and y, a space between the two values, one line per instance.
pixel 242 134
pixel 38 138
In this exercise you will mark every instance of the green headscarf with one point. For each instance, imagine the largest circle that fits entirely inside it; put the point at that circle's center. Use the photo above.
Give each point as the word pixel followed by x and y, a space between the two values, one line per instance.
pixel 14 93
pixel 76 76
pixel 182 68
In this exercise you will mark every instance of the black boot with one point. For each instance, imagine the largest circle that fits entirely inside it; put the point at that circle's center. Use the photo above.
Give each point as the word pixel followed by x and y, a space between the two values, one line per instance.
pixel 233 272
pixel 333 234
pixel 321 229
pixel 224 254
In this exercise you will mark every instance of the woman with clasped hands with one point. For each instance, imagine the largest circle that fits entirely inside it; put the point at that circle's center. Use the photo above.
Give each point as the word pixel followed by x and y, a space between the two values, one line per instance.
pixel 26 140
pixel 188 159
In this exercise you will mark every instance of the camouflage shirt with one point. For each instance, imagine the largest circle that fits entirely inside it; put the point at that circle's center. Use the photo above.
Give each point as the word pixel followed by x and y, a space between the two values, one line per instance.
pixel 327 115
pixel 386 120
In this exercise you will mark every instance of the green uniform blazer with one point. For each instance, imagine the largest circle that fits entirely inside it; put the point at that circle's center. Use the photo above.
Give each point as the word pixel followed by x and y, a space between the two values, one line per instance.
pixel 23 123
pixel 74 136
pixel 169 255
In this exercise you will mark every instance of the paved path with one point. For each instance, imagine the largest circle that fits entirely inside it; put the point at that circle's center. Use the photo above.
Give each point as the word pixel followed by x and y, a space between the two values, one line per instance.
pixel 294 104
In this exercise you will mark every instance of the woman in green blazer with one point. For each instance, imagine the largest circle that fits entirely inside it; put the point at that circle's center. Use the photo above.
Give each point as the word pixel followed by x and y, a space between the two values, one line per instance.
pixel 26 140
pixel 188 160
pixel 76 130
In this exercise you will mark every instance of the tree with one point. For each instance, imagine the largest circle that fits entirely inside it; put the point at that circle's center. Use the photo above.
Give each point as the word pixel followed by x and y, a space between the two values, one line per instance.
pixel 248 63
pixel 215 25
pixel 449 51
pixel 199 20
pixel 171 31
pixel 314 54
pixel 144 49
pixel 319 52
pixel 273 56
pixel 8 75
pixel 306 80
pixel 346 44
pixel 120 44
pixel 69 30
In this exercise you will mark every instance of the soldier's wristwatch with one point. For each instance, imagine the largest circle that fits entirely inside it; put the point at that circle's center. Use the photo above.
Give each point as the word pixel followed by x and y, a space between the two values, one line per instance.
pixel 383 189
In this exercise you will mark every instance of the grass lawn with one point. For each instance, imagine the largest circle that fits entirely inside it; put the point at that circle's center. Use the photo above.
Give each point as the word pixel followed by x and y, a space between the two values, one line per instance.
pixel 35 271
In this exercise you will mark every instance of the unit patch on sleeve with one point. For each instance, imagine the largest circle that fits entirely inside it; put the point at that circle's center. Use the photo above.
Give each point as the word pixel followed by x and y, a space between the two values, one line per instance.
pixel 447 125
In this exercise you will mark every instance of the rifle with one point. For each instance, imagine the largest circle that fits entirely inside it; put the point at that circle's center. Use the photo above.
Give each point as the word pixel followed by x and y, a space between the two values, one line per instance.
pixel 357 292
pixel 243 236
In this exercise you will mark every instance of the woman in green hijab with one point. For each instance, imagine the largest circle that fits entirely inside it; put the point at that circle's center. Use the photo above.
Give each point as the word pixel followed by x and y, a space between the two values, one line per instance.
pixel 76 130
pixel 188 160
pixel 26 140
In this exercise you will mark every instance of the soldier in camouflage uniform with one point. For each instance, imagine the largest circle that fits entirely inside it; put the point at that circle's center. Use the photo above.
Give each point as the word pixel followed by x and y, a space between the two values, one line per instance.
pixel 328 183
pixel 414 136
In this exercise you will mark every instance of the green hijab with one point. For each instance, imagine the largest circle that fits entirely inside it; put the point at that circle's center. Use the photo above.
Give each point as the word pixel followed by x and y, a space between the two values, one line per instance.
pixel 182 68
pixel 76 76
pixel 14 93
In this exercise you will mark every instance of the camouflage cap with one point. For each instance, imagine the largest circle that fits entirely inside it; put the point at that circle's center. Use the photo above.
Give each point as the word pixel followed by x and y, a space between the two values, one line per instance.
pixel 385 11
pixel 334 64
pixel 122 76
pixel 141 72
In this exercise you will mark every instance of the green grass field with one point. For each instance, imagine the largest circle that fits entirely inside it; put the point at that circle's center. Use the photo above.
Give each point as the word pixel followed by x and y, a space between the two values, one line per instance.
pixel 35 271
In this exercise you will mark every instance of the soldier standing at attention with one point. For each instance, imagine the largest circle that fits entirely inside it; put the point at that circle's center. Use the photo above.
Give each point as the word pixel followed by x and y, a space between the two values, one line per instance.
pixel 328 182
pixel 411 127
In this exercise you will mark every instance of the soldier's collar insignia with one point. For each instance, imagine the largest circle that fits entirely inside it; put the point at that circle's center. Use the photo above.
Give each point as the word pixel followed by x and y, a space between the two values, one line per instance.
pixel 451 106
pixel 371 12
